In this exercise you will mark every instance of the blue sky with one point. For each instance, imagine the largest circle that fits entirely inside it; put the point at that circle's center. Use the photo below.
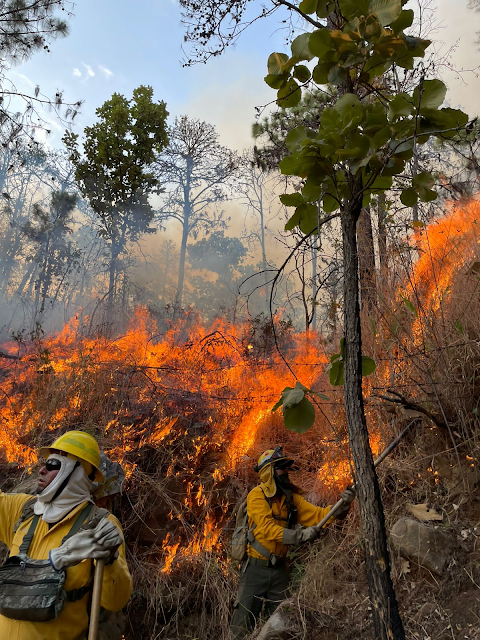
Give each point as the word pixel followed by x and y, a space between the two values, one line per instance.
pixel 116 45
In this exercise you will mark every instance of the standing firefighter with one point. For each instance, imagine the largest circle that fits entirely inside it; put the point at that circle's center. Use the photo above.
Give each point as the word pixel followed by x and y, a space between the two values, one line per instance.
pixel 274 508
pixel 54 540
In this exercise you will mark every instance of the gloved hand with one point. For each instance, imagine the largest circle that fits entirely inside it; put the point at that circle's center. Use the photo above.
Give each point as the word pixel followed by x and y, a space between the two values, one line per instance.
pixel 80 546
pixel 298 536
pixel 107 534
pixel 348 496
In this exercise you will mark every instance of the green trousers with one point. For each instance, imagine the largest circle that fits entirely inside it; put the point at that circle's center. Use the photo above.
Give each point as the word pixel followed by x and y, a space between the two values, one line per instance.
pixel 259 585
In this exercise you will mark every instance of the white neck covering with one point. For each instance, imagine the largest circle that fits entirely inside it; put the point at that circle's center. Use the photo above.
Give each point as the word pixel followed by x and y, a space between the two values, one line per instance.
pixel 76 491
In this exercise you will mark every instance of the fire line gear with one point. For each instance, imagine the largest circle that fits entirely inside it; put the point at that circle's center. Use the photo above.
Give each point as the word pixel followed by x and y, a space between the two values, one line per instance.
pixel 69 488
pixel 82 446
pixel 273 456
pixel 117 583
pixel 264 578
pixel 29 589
pixel 107 535
pixel 79 547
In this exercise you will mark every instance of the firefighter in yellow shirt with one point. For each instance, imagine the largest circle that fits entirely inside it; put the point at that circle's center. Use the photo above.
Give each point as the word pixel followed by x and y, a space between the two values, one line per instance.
pixel 274 508
pixel 40 527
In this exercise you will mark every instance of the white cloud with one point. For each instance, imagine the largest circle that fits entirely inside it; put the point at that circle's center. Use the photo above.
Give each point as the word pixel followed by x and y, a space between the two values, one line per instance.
pixel 77 73
pixel 27 80
pixel 106 72
pixel 90 71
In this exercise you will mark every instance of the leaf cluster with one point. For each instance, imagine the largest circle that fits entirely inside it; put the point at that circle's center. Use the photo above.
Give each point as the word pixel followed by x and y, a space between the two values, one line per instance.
pixel 114 171
pixel 368 135
pixel 298 411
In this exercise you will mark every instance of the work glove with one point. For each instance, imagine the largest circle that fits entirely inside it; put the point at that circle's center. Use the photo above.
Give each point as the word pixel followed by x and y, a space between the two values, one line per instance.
pixel 299 536
pixel 107 534
pixel 79 547
pixel 348 496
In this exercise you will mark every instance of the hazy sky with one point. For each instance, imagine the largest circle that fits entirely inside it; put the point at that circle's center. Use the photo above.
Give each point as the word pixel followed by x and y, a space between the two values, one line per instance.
pixel 116 45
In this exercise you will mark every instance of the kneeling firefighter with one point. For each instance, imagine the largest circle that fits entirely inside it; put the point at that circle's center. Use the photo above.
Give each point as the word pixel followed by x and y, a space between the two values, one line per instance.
pixel 54 541
pixel 274 508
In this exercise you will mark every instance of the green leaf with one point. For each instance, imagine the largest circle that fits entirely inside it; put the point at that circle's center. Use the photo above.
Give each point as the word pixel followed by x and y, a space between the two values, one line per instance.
pixel 404 20
pixel 292 397
pixel 325 8
pixel 329 203
pixel 301 417
pixel 410 306
pixel 289 95
pixel 277 405
pixel 439 120
pixel 312 190
pixel 320 72
pixel 387 11
pixel 300 47
pixel 409 197
pixel 276 81
pixel 423 179
pixel 337 75
pixel 400 106
pixel 427 195
pixel 308 6
pixel 320 395
pixel 292 199
pixel 320 42
pixel 348 106
pixel 336 373
pixel 368 366
pixel 459 326
pixel 295 138
pixel 301 73
pixel 308 217
pixel 430 94
pixel 275 63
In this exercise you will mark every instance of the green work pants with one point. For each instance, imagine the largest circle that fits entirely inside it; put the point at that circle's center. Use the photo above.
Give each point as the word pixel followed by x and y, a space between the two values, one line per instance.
pixel 258 585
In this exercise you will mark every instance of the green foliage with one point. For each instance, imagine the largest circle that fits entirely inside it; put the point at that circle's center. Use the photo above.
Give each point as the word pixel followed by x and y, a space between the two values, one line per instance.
pixel 115 170
pixel 217 253
pixel 298 411
pixel 358 141
pixel 336 368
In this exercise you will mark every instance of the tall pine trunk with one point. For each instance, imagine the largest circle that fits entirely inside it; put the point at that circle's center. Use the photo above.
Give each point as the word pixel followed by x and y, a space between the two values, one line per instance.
pixel 386 618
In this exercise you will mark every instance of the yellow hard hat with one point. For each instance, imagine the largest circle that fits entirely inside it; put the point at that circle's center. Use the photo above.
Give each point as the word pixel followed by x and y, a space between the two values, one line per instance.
pixel 80 445
pixel 273 456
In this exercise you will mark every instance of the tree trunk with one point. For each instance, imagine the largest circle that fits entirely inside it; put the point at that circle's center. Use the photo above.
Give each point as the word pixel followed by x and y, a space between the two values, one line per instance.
pixel 187 209
pixel 366 259
pixel 386 618
pixel 382 237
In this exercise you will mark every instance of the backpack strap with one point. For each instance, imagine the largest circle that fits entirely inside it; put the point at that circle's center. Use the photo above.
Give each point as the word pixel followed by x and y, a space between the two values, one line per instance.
pixel 27 538
pixel 25 514
pixel 81 518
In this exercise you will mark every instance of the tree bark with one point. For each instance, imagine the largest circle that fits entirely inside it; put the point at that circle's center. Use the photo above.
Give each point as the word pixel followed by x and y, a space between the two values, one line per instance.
pixel 366 258
pixel 386 618
pixel 382 237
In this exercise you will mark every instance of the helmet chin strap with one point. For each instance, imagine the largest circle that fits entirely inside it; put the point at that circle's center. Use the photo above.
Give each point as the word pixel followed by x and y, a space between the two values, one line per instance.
pixel 65 482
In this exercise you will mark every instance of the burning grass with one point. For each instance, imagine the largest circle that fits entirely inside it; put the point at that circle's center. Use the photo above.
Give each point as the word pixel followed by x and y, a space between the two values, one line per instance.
pixel 187 413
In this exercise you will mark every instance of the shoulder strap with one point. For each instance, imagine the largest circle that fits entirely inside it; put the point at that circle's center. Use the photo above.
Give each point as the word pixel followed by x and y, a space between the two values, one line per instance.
pixel 27 538
pixel 25 514
pixel 82 516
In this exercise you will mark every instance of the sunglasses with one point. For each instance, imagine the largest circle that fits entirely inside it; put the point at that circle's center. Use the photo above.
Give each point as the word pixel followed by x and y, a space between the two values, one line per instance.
pixel 52 465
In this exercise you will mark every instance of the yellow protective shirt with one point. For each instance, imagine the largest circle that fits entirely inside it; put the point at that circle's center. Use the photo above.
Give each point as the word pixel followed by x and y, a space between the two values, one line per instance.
pixel 269 530
pixel 72 623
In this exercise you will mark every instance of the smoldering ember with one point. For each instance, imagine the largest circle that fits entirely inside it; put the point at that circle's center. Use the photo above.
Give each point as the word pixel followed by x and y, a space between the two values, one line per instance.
pixel 240 320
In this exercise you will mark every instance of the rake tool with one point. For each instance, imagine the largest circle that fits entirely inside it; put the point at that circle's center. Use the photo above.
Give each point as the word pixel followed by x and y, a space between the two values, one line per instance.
pixel 96 600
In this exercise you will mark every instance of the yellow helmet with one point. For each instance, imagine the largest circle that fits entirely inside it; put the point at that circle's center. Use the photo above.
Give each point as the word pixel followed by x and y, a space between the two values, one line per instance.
pixel 80 445
pixel 273 456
